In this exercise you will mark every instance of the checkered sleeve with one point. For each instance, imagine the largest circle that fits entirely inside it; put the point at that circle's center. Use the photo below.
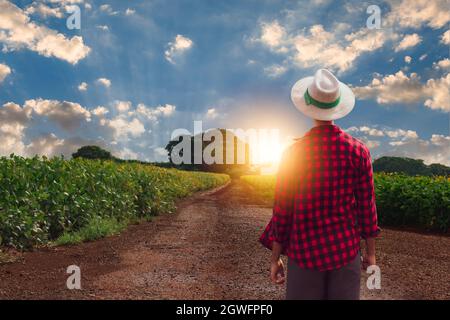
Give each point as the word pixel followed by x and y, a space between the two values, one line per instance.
pixel 283 200
pixel 279 226
pixel 365 198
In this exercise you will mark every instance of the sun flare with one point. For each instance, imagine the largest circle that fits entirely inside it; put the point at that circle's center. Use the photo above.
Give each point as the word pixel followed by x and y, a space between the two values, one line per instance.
pixel 266 152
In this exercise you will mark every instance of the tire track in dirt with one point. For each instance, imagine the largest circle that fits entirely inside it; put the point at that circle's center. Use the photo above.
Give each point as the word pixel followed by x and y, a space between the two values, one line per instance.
pixel 209 250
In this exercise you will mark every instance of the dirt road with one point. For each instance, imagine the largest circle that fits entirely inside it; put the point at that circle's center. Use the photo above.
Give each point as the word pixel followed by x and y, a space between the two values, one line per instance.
pixel 209 250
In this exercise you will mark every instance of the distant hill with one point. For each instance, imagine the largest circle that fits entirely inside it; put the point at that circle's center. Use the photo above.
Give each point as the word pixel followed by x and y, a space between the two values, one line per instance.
pixel 409 166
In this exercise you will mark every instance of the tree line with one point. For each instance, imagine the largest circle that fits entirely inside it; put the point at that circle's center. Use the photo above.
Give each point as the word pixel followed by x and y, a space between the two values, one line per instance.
pixel 386 164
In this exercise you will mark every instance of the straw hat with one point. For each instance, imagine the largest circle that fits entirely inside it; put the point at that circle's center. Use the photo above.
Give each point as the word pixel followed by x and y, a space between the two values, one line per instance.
pixel 322 97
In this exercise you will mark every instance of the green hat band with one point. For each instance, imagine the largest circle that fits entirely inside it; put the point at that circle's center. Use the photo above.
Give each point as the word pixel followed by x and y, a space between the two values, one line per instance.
pixel 322 105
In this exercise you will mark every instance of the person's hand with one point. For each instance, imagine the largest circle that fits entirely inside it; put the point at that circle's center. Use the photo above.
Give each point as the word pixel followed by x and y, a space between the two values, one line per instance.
pixel 277 272
pixel 368 260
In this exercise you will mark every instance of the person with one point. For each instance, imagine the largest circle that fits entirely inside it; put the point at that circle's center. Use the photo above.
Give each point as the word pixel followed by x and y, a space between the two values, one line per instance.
pixel 324 200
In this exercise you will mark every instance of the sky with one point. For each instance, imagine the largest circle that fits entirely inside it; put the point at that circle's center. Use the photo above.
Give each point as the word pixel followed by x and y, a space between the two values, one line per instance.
pixel 137 70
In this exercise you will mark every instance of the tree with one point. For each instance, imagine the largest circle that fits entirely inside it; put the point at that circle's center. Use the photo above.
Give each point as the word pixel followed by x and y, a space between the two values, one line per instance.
pixel 438 169
pixel 92 152
pixel 169 147
pixel 236 167
pixel 409 166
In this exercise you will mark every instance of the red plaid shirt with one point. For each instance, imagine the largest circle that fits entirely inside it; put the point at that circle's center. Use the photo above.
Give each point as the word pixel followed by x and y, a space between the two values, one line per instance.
pixel 324 200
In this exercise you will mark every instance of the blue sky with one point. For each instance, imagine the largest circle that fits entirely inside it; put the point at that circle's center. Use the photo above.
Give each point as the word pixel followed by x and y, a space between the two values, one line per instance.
pixel 137 70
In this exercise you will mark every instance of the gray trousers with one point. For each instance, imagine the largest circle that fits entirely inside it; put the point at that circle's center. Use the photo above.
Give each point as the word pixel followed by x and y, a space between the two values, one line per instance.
pixel 339 284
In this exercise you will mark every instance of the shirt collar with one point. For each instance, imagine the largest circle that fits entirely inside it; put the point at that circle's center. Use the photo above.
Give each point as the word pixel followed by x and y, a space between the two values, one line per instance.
pixel 324 129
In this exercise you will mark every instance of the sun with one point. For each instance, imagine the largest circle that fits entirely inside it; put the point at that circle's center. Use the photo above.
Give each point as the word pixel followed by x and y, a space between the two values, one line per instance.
pixel 266 152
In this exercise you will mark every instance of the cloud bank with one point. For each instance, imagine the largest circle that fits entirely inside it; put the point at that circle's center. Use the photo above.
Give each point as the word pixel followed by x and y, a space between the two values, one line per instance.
pixel 17 32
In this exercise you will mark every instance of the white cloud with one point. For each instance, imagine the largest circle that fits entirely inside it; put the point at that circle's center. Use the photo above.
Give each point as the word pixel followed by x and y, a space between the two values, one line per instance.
pixel 352 129
pixel 122 106
pixel 371 144
pixel 46 145
pixel 418 13
pixel 83 86
pixel 60 47
pixel 396 88
pixel 103 27
pixel 400 133
pixel 132 122
pixel 339 47
pixel 123 127
pixel 438 91
pixel 50 145
pixel 44 10
pixel 11 136
pixel 108 9
pixel 405 143
pixel 408 41
pixel 319 47
pixel 371 131
pixel 272 34
pixel 30 129
pixel 4 71
pixel 100 111
pixel 130 12
pixel 397 143
pixel 129 121
pixel 161 151
pixel 153 113
pixel 104 82
pixel 445 38
pixel 434 150
pixel 17 31
pixel 177 48
pixel 275 70
pixel 13 122
pixel 442 64
pixel 126 154
pixel 401 88
pixel 439 139
pixel 13 113
pixel 211 113
pixel 160 154
pixel 66 2
pixel 408 59
pixel 68 115
pixel 166 110
pixel 377 132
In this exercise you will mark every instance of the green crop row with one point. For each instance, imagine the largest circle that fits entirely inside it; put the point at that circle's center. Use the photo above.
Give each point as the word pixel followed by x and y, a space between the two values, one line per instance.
pixel 419 202
pixel 42 199
pixel 402 201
